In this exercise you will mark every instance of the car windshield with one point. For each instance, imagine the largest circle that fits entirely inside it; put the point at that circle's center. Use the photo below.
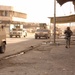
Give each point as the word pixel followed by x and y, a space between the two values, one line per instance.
pixel 17 29
pixel 14 29
pixel 42 30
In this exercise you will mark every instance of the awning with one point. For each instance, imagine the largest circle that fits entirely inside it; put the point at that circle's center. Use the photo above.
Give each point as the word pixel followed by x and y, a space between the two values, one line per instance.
pixel 61 2
pixel 63 19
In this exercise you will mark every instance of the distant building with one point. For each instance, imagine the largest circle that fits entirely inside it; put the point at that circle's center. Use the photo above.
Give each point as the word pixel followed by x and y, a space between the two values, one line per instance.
pixel 10 16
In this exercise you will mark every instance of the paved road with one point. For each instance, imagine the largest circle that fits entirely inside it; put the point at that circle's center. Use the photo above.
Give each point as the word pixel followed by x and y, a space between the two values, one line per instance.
pixel 15 45
pixel 46 59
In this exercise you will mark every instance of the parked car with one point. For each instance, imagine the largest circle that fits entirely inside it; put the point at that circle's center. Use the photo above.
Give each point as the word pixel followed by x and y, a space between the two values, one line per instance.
pixel 42 33
pixel 2 39
pixel 18 32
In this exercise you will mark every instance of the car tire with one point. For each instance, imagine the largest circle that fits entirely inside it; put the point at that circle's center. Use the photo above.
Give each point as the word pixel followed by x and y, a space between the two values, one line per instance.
pixel 16 36
pixel 24 36
pixel 39 37
pixel 3 48
pixel 35 37
pixel 19 36
pixel 10 36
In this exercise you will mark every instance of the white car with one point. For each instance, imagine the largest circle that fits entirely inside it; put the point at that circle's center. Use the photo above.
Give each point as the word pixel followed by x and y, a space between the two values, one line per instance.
pixel 18 32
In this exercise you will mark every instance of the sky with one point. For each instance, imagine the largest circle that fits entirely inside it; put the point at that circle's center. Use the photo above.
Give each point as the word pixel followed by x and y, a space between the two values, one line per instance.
pixel 39 10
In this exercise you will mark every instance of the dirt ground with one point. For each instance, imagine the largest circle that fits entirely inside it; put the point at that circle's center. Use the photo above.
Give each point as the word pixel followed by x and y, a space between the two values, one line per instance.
pixel 43 60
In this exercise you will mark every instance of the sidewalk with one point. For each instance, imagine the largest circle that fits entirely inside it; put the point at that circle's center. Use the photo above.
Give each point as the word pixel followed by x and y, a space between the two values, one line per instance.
pixel 47 59
pixel 62 41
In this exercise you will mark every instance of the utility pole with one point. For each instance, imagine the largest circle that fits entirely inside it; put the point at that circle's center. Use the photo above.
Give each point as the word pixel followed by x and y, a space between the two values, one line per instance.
pixel 54 21
pixel 70 14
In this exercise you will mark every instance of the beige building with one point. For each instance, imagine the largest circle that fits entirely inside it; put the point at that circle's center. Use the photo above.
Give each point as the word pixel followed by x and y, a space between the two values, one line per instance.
pixel 8 16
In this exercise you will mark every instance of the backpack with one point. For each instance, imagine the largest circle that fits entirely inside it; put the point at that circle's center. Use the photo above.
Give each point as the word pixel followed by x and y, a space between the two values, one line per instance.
pixel 68 33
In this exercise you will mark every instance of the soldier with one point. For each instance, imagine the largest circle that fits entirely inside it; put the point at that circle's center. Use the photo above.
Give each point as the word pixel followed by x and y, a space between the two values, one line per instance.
pixel 68 33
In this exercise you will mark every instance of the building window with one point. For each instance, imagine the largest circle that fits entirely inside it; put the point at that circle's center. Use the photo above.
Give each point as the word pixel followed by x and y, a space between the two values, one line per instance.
pixel 5 13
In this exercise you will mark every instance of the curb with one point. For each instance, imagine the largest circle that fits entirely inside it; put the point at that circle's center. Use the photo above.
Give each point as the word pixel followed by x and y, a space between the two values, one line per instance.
pixel 20 52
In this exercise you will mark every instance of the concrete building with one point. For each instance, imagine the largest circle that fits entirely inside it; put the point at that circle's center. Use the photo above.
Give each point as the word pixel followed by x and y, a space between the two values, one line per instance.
pixel 8 16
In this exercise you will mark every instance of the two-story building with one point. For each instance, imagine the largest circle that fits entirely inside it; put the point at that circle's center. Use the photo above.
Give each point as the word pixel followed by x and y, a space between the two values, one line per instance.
pixel 8 16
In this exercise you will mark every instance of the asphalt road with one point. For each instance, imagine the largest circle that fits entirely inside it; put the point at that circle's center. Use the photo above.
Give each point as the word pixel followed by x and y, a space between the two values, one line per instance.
pixel 16 45
pixel 43 60
pixel 46 59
